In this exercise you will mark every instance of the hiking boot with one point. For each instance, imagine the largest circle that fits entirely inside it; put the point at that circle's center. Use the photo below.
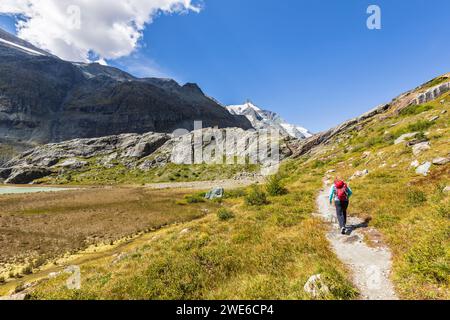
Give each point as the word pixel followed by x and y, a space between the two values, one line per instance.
pixel 343 231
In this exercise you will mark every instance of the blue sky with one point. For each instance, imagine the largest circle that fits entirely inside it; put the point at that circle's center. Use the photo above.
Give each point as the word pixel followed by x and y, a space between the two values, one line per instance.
pixel 314 62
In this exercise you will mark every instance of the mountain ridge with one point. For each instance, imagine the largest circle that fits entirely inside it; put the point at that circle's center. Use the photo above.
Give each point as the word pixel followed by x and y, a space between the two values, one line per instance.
pixel 264 119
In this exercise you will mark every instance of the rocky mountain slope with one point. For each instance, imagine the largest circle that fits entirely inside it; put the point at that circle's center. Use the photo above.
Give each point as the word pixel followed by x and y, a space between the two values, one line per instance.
pixel 135 152
pixel 263 119
pixel 45 99
pixel 430 91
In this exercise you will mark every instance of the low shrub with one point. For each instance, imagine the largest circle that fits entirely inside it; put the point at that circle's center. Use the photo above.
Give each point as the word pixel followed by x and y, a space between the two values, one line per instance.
pixel 275 186
pixel 421 125
pixel 225 214
pixel 256 197
pixel 195 198
pixel 416 197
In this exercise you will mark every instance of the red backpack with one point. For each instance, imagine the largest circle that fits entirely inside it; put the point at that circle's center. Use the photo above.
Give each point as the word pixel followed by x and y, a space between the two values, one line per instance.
pixel 341 190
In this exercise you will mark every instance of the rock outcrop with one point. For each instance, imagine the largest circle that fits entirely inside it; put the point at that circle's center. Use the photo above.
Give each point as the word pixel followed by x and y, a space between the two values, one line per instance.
pixel 147 151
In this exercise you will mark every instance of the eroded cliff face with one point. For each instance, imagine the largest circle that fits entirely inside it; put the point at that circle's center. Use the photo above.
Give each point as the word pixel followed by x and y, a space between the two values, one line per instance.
pixel 45 99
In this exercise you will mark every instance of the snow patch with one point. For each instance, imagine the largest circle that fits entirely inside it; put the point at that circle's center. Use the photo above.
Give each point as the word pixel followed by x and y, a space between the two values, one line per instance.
pixel 22 48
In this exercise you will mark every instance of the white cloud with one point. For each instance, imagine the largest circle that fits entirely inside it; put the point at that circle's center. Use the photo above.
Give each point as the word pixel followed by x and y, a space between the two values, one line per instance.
pixel 73 29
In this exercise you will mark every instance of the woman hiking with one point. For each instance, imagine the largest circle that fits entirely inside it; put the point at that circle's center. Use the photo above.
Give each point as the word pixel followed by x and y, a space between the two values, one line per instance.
pixel 340 192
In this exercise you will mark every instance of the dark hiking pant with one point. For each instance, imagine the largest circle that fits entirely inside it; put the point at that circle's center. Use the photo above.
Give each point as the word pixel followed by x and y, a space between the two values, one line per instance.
pixel 341 211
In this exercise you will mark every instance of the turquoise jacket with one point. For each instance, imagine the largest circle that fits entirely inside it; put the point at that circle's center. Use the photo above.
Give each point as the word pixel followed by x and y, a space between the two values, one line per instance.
pixel 333 194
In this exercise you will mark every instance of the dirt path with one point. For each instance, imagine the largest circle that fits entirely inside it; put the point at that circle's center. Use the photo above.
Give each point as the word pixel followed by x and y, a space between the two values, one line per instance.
pixel 371 266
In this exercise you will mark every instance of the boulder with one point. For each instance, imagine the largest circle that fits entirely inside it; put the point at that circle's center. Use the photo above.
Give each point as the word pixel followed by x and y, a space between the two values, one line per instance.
pixel 216 193
pixel 359 174
pixel 366 154
pixel 446 189
pixel 73 164
pixel 414 142
pixel 415 164
pixel 443 111
pixel 405 137
pixel 424 169
pixel 5 173
pixel 316 287
pixel 25 175
pixel 441 161
pixel 421 147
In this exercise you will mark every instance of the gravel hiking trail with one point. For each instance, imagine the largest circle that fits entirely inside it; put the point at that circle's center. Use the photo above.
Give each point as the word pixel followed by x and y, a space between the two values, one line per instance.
pixel 370 265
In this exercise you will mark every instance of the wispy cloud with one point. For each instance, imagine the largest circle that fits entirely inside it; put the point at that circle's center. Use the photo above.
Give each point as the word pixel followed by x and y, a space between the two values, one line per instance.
pixel 142 66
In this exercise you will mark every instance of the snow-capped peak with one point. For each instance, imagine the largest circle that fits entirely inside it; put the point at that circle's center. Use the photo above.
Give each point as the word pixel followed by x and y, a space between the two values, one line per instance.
pixel 242 108
pixel 263 119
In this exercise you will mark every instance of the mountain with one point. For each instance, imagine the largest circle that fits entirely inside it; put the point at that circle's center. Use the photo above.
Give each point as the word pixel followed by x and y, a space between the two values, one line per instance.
pixel 45 99
pixel 263 119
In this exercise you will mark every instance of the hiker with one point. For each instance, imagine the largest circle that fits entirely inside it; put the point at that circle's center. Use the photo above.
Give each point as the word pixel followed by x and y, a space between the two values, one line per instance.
pixel 341 194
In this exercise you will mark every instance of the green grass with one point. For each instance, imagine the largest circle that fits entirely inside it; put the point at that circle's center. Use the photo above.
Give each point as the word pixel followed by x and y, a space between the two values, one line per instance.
pixel 264 252
pixel 95 174
pixel 415 110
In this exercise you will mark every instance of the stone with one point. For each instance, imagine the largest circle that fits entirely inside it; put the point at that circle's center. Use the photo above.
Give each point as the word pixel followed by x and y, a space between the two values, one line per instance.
pixel 441 161
pixel 16 297
pixel 421 147
pixel 53 275
pixel 424 169
pixel 433 119
pixel 446 189
pixel 443 111
pixel 119 258
pixel 185 231
pixel 359 174
pixel 405 136
pixel 316 287
pixel 415 164
pixel 366 154
pixel 73 164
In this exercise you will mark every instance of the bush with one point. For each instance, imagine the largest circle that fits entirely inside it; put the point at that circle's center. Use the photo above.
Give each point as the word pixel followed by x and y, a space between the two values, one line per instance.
pixel 421 125
pixel 27 270
pixel 225 214
pixel 275 186
pixel 236 193
pixel 256 197
pixel 195 198
pixel 416 197
pixel 415 109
